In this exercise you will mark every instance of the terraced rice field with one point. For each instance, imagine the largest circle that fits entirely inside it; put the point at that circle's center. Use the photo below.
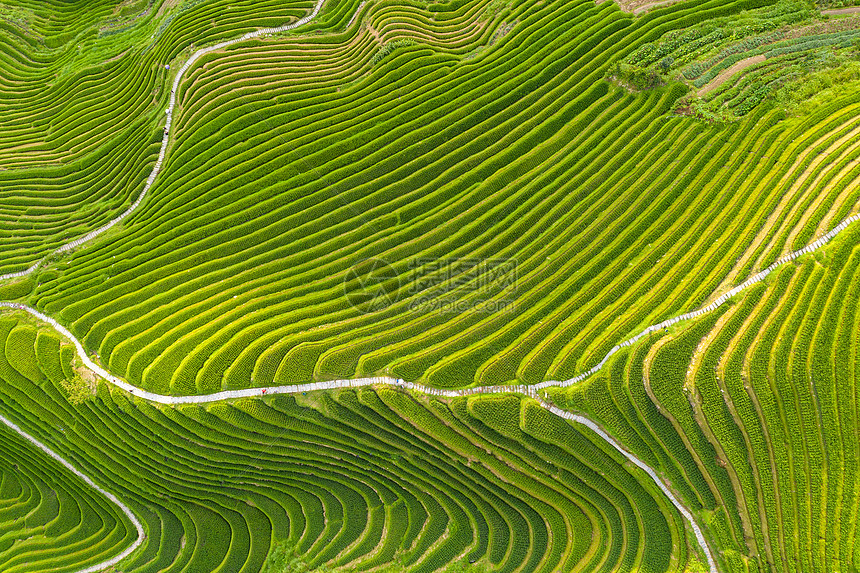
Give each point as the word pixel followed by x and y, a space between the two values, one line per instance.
pixel 783 449
pixel 260 299
pixel 416 286
pixel 364 477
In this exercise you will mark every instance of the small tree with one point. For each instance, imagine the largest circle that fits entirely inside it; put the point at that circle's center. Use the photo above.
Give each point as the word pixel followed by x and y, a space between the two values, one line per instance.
pixel 666 63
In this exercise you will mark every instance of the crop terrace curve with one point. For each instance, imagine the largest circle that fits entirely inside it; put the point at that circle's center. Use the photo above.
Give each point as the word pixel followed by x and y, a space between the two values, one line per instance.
pixel 141 535
pixel 166 137
pixel 528 390
pixel 531 390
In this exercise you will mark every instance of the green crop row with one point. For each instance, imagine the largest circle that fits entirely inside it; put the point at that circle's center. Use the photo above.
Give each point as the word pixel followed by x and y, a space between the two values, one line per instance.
pixel 226 279
pixel 243 474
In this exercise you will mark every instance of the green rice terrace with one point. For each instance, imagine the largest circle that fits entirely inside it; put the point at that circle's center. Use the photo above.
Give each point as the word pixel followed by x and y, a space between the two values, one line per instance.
pixel 465 286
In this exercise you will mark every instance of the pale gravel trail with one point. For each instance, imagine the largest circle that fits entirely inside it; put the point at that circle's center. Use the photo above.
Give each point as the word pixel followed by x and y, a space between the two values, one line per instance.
pixel 164 140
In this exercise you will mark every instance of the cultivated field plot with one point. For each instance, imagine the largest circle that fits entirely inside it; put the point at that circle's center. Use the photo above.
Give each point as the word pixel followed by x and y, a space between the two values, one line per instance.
pixel 361 480
pixel 297 159
pixel 424 200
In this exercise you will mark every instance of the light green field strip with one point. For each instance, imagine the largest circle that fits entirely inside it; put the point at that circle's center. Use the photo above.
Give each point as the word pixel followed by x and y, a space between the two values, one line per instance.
pixel 94 103
pixel 232 325
pixel 195 317
pixel 431 391
pixel 769 390
pixel 722 299
pixel 357 451
pixel 530 391
pixel 332 384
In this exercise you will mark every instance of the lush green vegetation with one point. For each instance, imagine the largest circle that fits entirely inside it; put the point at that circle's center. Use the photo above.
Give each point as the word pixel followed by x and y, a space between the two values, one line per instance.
pixel 780 55
pixel 758 412
pixel 350 481
pixel 424 133
pixel 83 88
pixel 622 170
pixel 750 413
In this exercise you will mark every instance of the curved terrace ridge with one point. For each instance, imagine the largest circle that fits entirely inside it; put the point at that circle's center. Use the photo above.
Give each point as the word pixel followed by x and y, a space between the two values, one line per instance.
pixel 141 534
pixel 528 390
pixel 162 152
pixel 326 385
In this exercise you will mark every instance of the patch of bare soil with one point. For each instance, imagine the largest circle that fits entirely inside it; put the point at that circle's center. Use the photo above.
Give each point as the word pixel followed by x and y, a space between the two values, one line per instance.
pixel 638 7
pixel 82 387
pixel 87 375
pixel 118 56
pixel 825 27
pixel 838 11
pixel 726 74
pixel 165 6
